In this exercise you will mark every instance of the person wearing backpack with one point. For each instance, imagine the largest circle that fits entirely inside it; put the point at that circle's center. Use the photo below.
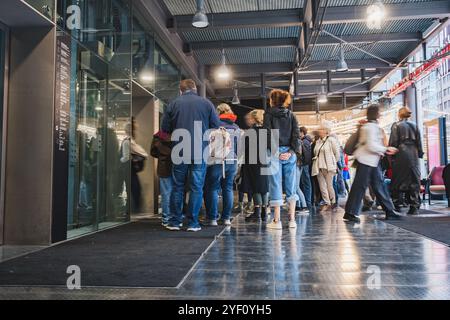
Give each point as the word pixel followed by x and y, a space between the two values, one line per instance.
pixel 222 170
pixel 405 136
pixel 189 113
pixel 370 149
pixel 283 161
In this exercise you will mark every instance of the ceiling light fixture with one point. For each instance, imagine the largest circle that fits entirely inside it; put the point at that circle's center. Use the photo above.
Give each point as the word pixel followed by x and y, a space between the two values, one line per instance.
pixel 342 64
pixel 376 15
pixel 223 72
pixel 200 19
pixel 323 96
pixel 236 99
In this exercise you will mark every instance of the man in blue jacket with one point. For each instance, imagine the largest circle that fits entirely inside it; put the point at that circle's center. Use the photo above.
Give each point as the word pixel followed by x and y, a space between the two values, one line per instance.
pixel 187 119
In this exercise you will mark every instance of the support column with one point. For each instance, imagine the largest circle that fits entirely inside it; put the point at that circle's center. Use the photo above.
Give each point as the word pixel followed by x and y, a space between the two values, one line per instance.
pixel 263 91
pixel 201 73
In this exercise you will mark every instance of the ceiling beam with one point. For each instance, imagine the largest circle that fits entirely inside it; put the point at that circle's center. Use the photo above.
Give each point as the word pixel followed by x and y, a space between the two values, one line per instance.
pixel 303 91
pixel 292 42
pixel 257 68
pixel 387 37
pixel 257 43
pixel 352 64
pixel 286 67
pixel 236 20
pixel 399 11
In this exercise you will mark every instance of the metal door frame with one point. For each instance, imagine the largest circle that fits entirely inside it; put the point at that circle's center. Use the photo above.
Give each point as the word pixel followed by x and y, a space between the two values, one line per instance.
pixel 5 50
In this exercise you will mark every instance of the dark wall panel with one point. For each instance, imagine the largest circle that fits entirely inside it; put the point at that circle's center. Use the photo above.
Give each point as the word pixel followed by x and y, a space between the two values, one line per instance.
pixel 29 136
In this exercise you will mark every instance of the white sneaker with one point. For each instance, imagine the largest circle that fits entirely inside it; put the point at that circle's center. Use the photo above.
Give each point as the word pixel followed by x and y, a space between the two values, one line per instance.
pixel 172 228
pixel 194 229
pixel 227 222
pixel 212 223
pixel 275 225
pixel 292 224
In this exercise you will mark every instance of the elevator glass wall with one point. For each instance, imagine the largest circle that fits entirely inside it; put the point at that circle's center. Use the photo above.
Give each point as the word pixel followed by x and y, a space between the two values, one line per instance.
pixel 100 110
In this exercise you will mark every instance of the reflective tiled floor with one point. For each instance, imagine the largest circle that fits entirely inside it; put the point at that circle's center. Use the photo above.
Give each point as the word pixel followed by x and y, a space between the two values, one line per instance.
pixel 324 258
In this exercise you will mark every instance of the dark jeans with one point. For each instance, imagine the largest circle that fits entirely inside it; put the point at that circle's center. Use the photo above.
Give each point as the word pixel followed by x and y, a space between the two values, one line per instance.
pixel 305 185
pixel 366 176
pixel 194 175
pixel 214 182
pixel 136 191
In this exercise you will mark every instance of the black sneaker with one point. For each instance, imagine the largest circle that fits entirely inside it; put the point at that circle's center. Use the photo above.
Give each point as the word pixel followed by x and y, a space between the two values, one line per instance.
pixel 393 216
pixel 413 211
pixel 255 216
pixel 351 217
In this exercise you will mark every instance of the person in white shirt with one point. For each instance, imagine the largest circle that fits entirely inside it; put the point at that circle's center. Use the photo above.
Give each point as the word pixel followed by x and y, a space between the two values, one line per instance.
pixel 368 154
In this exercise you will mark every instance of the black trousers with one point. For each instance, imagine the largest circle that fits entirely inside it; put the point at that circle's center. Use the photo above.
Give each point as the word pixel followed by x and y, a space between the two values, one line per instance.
pixel 412 194
pixel 365 176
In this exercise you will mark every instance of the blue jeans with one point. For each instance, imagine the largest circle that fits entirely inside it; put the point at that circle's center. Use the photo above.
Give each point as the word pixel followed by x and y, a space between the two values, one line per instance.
pixel 214 182
pixel 282 178
pixel 192 175
pixel 301 203
pixel 305 182
pixel 165 188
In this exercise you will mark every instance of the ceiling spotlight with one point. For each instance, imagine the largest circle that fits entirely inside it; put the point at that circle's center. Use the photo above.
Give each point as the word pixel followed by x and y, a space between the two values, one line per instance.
pixel 342 64
pixel 323 96
pixel 376 14
pixel 236 99
pixel 223 72
pixel 200 19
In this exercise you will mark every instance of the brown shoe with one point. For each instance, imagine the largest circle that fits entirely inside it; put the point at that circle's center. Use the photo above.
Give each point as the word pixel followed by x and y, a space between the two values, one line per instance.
pixel 325 207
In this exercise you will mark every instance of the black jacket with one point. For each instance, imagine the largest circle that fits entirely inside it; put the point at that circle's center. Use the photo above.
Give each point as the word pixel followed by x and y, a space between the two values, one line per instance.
pixel 286 122
pixel 306 151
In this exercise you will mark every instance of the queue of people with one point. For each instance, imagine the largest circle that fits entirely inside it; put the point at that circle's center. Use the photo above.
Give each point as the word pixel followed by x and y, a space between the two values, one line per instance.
pixel 276 163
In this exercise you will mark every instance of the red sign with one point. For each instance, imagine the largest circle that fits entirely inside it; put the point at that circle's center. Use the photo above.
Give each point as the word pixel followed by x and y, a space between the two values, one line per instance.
pixel 420 72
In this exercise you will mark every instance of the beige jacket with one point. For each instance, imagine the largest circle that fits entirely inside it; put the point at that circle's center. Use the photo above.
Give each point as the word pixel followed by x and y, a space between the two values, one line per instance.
pixel 328 157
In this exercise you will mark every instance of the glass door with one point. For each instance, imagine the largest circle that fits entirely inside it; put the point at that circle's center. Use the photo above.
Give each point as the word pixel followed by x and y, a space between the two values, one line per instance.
pixel 86 168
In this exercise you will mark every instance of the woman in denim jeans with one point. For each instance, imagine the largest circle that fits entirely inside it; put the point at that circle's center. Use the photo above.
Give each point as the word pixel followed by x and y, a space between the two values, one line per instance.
pixel 283 162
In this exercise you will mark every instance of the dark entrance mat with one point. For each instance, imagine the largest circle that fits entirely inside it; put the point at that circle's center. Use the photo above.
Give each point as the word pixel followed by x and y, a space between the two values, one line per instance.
pixel 436 228
pixel 140 254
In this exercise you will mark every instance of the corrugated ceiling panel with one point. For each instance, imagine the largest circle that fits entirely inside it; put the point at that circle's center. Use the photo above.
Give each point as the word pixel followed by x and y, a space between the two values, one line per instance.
pixel 241 34
pixel 383 50
pixel 185 7
pixel 342 3
pixel 247 55
pixel 418 25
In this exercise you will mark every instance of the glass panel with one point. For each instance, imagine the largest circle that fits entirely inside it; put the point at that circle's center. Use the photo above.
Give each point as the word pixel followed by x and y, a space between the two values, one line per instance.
pixel 46 7
pixel 143 54
pixel 167 76
pixel 103 26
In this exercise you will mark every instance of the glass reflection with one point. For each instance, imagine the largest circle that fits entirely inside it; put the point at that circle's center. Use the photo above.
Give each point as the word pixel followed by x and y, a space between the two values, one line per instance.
pixel 45 7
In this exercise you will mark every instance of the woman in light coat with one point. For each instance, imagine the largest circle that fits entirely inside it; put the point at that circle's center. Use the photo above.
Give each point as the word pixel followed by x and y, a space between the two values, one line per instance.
pixel 326 157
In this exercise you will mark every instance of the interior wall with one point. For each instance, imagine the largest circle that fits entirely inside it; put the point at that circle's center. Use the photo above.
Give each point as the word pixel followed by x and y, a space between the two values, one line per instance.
pixel 146 114
pixel 29 150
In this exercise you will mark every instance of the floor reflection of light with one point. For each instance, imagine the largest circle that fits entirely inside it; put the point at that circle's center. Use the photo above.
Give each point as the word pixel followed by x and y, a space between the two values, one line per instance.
pixel 349 263
pixel 435 258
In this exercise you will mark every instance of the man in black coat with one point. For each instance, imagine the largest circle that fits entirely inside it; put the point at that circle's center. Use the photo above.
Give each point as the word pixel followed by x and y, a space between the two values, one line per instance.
pixel 306 160
pixel 405 136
